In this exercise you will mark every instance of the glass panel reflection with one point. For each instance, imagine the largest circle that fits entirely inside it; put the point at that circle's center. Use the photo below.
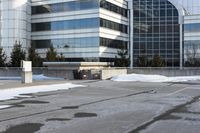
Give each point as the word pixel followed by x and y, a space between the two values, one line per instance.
pixel 67 43
pixel 66 25
pixel 156 30
pixel 66 6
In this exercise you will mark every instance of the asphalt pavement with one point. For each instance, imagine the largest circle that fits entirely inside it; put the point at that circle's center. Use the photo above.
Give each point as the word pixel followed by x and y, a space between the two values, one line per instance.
pixel 104 107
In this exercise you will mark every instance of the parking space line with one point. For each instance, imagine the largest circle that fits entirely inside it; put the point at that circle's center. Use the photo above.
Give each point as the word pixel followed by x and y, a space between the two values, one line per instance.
pixel 177 91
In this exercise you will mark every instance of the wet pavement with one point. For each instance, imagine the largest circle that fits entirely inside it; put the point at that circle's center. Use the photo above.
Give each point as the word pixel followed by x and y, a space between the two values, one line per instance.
pixel 24 128
pixel 105 107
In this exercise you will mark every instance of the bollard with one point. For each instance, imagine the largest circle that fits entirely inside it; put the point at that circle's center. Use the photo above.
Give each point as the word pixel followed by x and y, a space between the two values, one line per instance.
pixel 26 74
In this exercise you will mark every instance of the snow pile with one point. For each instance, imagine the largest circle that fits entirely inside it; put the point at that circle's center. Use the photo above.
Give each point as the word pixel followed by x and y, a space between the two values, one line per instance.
pixel 35 78
pixel 7 94
pixel 153 78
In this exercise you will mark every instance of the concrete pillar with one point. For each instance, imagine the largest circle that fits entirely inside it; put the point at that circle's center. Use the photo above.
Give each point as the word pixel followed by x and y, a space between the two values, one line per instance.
pixel 26 74
pixel 130 8
pixel 26 77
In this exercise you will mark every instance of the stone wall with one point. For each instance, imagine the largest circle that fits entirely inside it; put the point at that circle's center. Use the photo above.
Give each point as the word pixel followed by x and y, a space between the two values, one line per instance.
pixel 58 72
pixel 101 74
pixel 108 73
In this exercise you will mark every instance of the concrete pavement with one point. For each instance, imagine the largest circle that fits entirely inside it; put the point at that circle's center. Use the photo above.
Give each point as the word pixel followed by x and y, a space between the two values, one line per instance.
pixel 106 107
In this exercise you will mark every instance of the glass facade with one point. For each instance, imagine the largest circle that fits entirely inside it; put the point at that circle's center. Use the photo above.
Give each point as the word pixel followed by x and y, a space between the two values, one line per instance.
pixel 66 6
pixel 192 53
pixel 79 24
pixel 66 25
pixel 80 43
pixel 191 32
pixel 111 43
pixel 114 8
pixel 194 27
pixel 156 31
pixel 83 42
pixel 113 25
pixel 15 25
pixel 192 47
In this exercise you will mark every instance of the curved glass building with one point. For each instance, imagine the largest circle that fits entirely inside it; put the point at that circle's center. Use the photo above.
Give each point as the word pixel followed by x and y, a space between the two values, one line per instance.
pixel 15 24
pixel 156 30
pixel 168 28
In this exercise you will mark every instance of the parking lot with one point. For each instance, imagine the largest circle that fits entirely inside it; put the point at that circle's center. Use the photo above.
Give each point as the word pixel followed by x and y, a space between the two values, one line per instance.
pixel 105 107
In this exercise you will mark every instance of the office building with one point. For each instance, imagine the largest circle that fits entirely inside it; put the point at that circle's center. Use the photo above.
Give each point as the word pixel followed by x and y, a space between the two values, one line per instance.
pixel 94 30
pixel 82 30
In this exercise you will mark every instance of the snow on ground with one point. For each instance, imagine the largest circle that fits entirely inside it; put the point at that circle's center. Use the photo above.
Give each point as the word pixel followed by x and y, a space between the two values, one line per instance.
pixel 7 94
pixel 35 78
pixel 5 106
pixel 42 77
pixel 153 78
pixel 22 92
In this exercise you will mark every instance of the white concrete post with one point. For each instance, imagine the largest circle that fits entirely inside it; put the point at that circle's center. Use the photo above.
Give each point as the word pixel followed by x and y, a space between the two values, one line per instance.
pixel 26 72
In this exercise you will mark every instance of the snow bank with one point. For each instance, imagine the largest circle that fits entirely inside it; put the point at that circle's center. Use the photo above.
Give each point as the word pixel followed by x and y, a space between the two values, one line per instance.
pixel 153 78
pixel 35 78
pixel 7 94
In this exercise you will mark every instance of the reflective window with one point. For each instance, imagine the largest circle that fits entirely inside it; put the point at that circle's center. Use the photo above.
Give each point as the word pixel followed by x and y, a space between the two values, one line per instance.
pixel 113 25
pixel 118 44
pixel 67 43
pixel 192 53
pixel 156 31
pixel 66 6
pixel 114 8
pixel 66 25
pixel 195 27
